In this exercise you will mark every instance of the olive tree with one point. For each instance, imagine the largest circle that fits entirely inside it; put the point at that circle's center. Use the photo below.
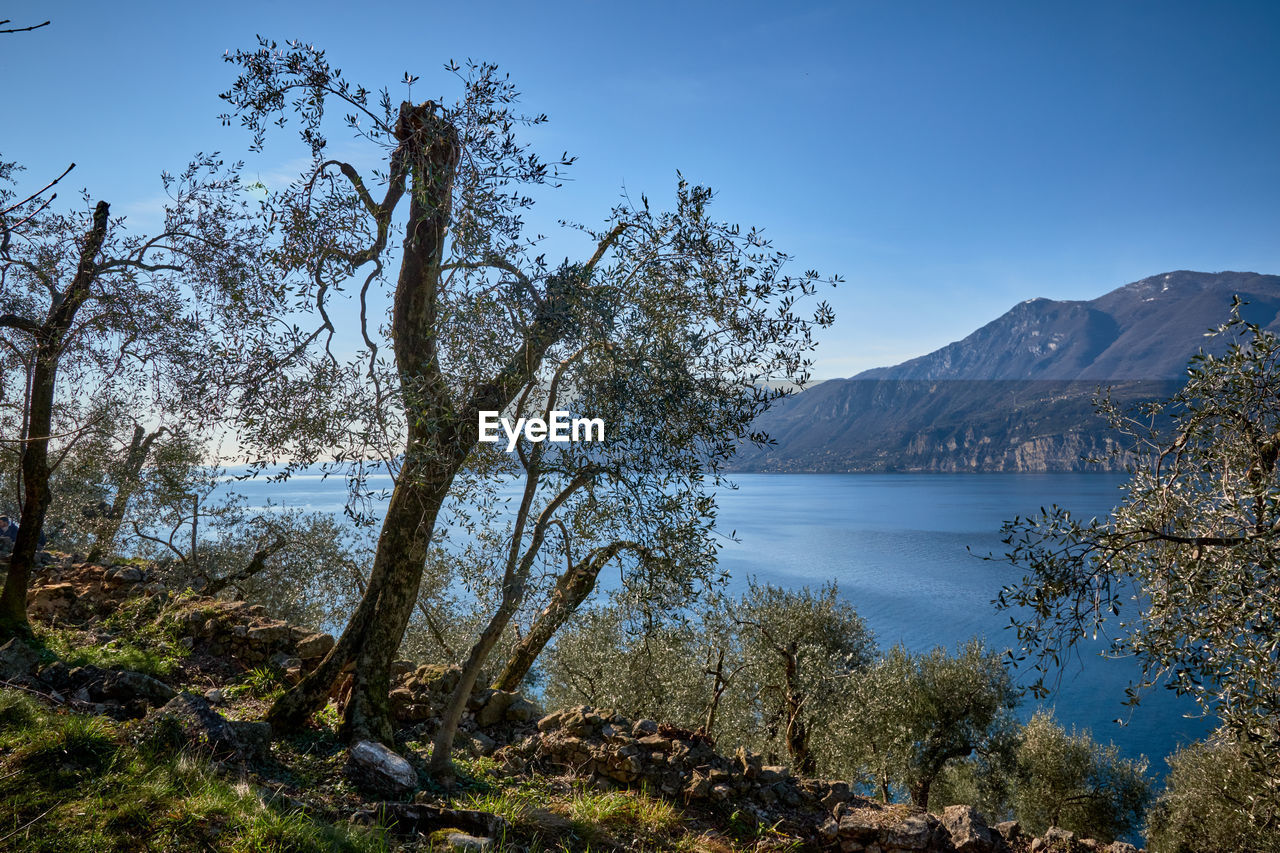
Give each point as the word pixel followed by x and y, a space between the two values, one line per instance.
pixel 796 653
pixel 93 479
pixel 1184 573
pixel 644 669
pixel 479 321
pixel 1216 797
pixel 89 311
pixel 770 671
pixel 914 716
pixel 1070 780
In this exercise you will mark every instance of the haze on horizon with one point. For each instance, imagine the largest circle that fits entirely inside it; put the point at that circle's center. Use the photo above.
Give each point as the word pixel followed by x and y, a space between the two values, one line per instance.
pixel 950 160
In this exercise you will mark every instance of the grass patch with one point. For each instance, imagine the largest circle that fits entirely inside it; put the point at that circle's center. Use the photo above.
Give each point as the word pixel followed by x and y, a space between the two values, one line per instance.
pixel 546 814
pixel 75 783
pixel 153 654
pixel 620 812
pixel 516 803
pixel 264 682
pixel 18 711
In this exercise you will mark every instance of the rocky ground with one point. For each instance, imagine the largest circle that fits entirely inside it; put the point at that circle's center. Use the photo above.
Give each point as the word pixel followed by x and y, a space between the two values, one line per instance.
pixel 133 723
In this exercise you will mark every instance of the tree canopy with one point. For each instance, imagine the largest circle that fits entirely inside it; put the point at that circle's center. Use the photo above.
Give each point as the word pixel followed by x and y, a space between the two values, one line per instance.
pixel 670 326
pixel 96 319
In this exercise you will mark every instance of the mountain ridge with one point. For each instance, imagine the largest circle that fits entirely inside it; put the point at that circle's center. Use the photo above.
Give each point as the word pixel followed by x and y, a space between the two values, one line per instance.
pixel 1017 393
pixel 1114 336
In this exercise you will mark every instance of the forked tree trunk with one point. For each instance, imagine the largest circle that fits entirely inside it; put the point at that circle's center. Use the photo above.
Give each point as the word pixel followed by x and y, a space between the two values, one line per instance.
pixel 441 765
pixel 48 340
pixel 440 436
pixel 514 577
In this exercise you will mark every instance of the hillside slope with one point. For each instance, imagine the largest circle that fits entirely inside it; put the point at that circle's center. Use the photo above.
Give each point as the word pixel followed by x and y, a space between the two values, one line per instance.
pixel 1016 394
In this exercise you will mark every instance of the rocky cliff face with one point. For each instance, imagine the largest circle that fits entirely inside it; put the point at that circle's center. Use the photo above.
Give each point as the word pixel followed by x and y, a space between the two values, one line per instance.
pixel 1017 394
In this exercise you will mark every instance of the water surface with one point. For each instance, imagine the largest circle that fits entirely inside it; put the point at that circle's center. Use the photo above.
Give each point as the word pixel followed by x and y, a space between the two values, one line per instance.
pixel 902 548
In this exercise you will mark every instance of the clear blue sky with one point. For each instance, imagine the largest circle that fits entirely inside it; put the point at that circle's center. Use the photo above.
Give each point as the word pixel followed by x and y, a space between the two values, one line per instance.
pixel 949 158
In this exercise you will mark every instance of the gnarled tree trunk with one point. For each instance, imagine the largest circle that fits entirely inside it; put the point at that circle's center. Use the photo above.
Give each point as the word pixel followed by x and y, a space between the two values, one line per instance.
pixel 429 150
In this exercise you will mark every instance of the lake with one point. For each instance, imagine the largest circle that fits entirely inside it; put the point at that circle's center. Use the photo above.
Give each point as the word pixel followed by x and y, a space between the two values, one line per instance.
pixel 896 544
pixel 898 547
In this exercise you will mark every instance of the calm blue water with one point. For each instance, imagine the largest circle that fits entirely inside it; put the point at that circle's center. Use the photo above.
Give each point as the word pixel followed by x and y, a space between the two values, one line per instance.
pixel 896 546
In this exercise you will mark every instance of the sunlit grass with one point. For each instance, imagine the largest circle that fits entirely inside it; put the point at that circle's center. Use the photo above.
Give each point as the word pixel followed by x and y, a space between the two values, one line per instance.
pixel 155 655
pixel 76 783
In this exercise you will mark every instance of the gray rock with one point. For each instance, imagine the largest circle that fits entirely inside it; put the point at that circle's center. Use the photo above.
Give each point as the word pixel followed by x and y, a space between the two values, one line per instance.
pixel 16 659
pixel 1056 840
pixel 483 744
pixel 1119 847
pixel 914 832
pixel 374 767
pixel 126 686
pixel 200 726
pixel 522 710
pixel 468 843
pixel 56 674
pixel 254 738
pixel 645 727
pixel 495 709
pixel 285 661
pixel 855 828
pixel 1010 830
pixel 314 646
pixel 833 798
pixel 273 634
pixel 969 832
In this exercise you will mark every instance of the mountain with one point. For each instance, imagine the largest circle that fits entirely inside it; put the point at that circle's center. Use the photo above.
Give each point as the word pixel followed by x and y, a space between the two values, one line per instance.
pixel 1015 395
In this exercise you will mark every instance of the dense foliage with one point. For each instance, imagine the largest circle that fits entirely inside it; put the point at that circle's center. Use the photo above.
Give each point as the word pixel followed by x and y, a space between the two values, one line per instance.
pixel 1216 797
pixel 914 715
pixel 1070 780
pixel 770 670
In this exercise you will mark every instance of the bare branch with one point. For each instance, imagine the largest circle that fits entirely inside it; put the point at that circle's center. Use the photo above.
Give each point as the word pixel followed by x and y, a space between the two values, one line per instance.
pixel 21 29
